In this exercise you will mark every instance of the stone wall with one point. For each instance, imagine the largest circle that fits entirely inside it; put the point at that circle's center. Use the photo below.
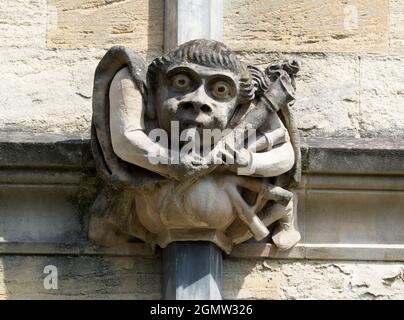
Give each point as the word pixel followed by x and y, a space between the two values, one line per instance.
pixel 22 277
pixel 351 85
pixel 351 53
pixel 49 50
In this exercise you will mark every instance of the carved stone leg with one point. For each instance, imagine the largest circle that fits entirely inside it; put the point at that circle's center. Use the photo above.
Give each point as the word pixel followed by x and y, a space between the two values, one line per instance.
pixel 191 271
pixel 246 213
pixel 285 234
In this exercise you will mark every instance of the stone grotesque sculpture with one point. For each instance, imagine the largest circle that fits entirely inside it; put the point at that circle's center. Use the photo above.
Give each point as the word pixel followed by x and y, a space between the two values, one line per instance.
pixel 201 86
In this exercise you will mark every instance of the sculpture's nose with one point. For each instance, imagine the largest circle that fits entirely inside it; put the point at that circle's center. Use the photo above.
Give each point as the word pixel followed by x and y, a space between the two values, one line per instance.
pixel 196 106
pixel 197 101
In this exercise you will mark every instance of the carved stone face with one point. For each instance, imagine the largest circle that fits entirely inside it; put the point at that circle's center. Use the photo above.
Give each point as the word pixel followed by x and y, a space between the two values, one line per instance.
pixel 197 97
pixel 197 86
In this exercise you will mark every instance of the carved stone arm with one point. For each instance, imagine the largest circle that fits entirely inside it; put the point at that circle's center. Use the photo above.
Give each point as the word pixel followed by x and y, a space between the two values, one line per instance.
pixel 273 162
pixel 270 135
pixel 129 139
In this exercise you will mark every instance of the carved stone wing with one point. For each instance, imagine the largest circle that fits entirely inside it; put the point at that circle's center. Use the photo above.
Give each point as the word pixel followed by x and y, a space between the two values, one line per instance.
pixel 113 208
pixel 108 164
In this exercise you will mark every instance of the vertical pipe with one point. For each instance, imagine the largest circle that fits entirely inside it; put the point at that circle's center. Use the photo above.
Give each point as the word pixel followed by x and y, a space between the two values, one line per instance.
pixel 192 270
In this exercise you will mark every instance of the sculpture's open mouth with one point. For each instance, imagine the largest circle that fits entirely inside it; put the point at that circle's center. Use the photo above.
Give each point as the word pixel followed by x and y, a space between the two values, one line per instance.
pixel 191 131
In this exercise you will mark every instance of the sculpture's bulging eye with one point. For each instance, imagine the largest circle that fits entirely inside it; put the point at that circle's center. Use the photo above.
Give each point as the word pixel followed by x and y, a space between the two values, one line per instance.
pixel 221 90
pixel 181 82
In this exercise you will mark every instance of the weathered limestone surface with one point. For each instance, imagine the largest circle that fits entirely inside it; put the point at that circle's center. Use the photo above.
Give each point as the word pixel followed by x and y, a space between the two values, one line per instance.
pixel 307 25
pixel 47 91
pixel 103 23
pixel 23 23
pixel 344 88
pixel 269 279
pixel 381 96
pixel 396 26
pixel 346 95
pixel 22 277
pixel 326 107
pixel 49 52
